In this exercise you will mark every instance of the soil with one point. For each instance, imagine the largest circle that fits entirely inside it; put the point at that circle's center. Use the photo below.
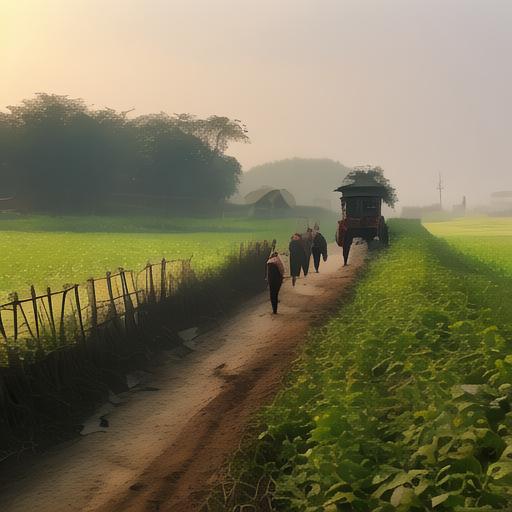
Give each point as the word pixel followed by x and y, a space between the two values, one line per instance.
pixel 163 445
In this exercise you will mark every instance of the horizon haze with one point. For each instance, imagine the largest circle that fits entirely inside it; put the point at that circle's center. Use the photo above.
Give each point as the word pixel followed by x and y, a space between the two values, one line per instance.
pixel 419 88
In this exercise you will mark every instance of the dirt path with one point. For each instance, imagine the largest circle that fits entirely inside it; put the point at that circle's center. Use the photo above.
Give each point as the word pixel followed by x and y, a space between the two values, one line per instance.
pixel 166 444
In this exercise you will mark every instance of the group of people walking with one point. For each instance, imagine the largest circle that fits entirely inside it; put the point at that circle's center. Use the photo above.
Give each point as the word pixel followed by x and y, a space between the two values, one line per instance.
pixel 302 246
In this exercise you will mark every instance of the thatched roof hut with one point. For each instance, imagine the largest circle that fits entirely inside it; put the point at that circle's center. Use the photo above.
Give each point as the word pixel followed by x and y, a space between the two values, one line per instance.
pixel 269 201
pixel 271 198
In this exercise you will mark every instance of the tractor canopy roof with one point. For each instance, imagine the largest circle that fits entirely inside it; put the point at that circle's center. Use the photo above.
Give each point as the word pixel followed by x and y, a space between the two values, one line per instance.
pixel 368 181
pixel 362 185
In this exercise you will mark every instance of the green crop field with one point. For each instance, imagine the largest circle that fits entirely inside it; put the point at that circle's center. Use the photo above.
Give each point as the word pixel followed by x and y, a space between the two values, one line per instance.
pixel 487 239
pixel 53 251
pixel 403 401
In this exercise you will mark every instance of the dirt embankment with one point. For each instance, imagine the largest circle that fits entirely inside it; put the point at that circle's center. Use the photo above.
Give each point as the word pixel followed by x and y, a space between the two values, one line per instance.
pixel 164 447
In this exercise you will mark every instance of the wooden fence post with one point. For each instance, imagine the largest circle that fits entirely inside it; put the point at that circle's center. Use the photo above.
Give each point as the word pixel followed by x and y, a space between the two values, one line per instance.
pixel 62 327
pixel 40 349
pixel 51 316
pixel 129 316
pixel 34 308
pixel 163 279
pixel 15 314
pixel 149 280
pixel 2 328
pixel 79 312
pixel 112 303
pixel 91 294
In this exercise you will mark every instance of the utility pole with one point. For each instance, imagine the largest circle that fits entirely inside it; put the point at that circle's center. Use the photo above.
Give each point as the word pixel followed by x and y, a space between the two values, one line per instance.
pixel 440 188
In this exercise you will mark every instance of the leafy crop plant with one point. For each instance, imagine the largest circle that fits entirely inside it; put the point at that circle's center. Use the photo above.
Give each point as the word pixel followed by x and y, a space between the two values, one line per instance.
pixel 401 402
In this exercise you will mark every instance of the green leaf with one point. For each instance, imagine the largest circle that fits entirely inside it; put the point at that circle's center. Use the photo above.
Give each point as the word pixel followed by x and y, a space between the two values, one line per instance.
pixel 437 500
pixel 470 389
pixel 381 368
pixel 493 441
pixel 340 497
pixel 428 451
pixel 315 490
pixel 384 474
pixel 499 469
pixel 402 496
pixel 422 487
pixel 399 479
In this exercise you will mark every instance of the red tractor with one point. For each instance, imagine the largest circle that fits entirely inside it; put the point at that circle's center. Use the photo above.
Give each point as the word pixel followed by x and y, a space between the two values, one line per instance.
pixel 361 205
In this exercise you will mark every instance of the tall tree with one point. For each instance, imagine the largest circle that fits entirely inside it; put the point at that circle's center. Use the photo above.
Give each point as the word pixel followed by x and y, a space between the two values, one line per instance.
pixel 60 155
pixel 8 131
pixel 180 164
pixel 216 131
pixel 367 173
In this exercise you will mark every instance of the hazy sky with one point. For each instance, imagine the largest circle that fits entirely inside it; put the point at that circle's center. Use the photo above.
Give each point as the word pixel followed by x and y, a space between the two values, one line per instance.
pixel 416 86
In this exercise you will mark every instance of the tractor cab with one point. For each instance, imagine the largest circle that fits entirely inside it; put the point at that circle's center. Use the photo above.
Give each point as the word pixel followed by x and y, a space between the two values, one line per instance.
pixel 361 213
pixel 359 207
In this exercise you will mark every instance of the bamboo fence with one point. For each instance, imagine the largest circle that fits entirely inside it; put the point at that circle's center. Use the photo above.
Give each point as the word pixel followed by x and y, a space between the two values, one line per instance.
pixel 34 326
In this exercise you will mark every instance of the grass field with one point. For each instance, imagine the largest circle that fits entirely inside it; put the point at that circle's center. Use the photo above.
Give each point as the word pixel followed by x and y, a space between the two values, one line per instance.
pixel 487 239
pixel 53 251
pixel 402 402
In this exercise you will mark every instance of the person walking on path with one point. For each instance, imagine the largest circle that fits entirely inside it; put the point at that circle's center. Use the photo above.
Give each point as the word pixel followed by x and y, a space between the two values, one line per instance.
pixel 307 243
pixel 318 249
pixel 297 256
pixel 347 243
pixel 275 273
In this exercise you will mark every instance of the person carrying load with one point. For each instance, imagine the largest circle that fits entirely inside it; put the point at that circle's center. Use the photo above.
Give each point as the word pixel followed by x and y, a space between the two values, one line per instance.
pixel 318 248
pixel 275 273
pixel 297 256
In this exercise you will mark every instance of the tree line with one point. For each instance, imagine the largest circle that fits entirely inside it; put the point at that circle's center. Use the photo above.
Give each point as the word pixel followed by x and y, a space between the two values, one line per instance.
pixel 57 154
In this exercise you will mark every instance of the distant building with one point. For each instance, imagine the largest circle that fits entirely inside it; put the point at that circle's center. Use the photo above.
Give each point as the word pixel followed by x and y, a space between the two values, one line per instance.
pixel 269 201
pixel 460 209
pixel 418 212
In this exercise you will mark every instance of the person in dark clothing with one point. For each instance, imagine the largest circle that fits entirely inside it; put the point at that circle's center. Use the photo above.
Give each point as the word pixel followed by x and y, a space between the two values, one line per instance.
pixel 275 273
pixel 307 242
pixel 344 239
pixel 318 249
pixel 347 243
pixel 297 256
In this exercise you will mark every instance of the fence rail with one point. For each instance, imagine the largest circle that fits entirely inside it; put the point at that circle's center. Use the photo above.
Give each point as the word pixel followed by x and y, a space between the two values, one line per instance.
pixel 33 326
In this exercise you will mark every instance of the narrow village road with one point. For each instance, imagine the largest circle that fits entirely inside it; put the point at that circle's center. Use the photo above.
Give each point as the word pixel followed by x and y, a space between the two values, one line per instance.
pixel 164 447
